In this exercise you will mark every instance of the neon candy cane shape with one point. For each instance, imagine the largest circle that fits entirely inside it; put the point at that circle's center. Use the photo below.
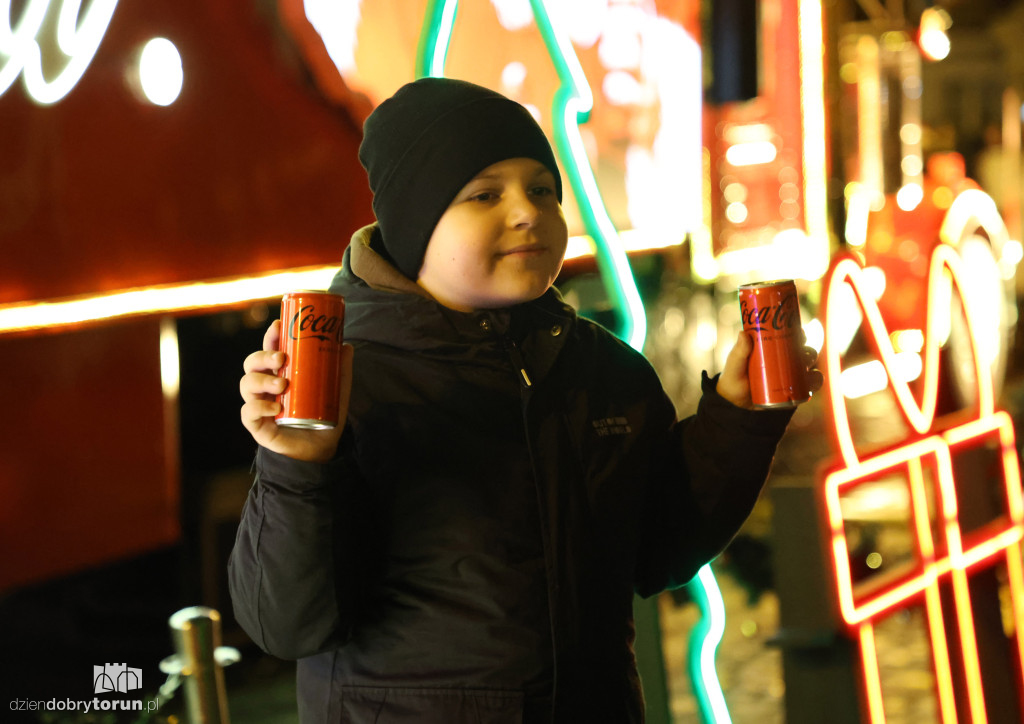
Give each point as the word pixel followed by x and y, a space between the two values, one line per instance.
pixel 919 416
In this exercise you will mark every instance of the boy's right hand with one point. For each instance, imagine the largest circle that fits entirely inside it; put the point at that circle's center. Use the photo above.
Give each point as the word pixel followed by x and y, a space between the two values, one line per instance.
pixel 260 387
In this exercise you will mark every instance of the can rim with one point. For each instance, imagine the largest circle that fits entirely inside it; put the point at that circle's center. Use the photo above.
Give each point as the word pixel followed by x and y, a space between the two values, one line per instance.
pixel 313 291
pixel 772 283
pixel 307 423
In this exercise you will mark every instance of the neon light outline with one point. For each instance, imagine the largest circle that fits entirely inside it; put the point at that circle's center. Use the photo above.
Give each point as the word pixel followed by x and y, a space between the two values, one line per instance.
pixel 999 540
pixel 974 205
pixel 432 51
pixel 160 299
pixel 574 98
pixel 169 298
pixel 572 106
pixel 704 639
pixel 972 210
pixel 78 40
pixel 919 416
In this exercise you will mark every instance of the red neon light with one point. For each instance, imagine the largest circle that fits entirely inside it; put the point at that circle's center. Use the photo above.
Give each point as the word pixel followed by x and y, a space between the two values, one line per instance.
pixel 944 552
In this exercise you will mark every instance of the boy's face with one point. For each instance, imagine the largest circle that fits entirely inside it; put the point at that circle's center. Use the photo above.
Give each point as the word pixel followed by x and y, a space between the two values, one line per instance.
pixel 500 242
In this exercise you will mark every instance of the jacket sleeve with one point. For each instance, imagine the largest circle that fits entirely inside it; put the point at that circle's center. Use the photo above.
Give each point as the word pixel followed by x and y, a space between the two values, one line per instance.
pixel 708 472
pixel 282 571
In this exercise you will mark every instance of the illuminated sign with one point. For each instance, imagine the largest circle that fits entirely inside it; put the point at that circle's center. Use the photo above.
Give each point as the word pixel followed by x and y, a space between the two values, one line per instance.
pixel 761 151
pixel 946 554
pixel 77 35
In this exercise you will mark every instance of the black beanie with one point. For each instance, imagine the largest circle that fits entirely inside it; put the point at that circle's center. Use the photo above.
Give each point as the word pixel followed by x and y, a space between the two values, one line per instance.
pixel 426 142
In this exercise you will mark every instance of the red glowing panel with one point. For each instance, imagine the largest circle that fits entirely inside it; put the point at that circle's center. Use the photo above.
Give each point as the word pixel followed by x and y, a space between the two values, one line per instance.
pixel 946 551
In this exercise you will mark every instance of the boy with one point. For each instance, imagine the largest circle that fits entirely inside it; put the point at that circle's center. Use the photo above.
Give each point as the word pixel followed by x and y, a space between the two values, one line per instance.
pixel 466 547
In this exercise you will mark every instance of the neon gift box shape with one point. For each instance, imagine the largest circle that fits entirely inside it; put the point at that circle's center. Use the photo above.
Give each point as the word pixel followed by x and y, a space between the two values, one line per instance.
pixel 946 552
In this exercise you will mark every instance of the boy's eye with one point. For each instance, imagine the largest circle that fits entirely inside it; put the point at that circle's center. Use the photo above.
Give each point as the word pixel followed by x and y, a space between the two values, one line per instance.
pixel 543 190
pixel 483 196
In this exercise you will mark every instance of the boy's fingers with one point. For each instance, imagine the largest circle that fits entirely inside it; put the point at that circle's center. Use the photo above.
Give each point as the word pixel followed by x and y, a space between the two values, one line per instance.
pixel 736 361
pixel 255 410
pixel 272 337
pixel 256 385
pixel 264 360
pixel 733 383
pixel 257 413
pixel 260 388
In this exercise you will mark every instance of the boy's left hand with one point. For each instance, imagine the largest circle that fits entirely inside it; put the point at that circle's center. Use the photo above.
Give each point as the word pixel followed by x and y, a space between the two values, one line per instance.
pixel 734 385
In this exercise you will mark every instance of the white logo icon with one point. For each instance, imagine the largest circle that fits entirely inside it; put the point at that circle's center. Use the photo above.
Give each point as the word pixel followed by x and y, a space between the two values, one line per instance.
pixel 115 677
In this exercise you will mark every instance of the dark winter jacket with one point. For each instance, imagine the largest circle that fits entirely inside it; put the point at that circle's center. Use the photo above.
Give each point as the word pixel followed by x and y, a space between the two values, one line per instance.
pixel 506 481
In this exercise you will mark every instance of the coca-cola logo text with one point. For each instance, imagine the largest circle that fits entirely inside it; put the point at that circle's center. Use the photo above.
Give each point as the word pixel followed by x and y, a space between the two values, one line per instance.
pixel 307 323
pixel 67 38
pixel 784 315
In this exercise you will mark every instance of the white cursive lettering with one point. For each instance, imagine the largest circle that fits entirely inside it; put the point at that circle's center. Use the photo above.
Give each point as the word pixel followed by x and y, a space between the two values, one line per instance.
pixel 78 36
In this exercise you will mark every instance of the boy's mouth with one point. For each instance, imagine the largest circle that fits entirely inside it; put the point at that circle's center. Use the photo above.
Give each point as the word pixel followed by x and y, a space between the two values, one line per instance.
pixel 524 250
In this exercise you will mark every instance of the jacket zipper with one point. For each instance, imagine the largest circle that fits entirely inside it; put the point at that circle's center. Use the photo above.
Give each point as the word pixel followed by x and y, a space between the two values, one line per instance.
pixel 517 359
pixel 516 356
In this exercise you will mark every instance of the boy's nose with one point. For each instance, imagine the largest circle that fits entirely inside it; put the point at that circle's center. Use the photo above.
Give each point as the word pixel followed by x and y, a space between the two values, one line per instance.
pixel 523 211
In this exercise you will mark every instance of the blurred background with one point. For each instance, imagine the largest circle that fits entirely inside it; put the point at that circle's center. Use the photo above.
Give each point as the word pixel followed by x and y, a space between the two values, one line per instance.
pixel 168 168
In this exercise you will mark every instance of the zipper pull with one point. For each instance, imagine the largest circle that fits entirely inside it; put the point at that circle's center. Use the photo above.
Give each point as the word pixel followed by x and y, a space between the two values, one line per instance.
pixel 517 360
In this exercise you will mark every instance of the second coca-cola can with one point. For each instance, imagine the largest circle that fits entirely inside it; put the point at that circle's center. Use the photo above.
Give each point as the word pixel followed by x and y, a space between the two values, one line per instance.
pixel 311 339
pixel 771 314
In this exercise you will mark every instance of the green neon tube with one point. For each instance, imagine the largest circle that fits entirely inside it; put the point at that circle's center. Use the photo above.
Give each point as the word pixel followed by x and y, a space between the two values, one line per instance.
pixel 432 50
pixel 571 107
pixel 704 639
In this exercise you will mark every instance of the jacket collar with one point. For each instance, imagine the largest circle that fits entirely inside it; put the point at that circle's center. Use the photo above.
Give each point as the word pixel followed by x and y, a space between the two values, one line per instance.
pixel 384 306
pixel 378 272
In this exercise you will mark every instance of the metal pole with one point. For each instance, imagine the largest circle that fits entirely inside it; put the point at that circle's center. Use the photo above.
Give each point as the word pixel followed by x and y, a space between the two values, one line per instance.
pixel 195 632
pixel 650 660
pixel 819 663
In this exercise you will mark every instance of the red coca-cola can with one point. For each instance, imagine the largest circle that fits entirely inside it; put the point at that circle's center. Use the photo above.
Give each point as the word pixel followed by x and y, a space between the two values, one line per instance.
pixel 311 339
pixel 771 314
